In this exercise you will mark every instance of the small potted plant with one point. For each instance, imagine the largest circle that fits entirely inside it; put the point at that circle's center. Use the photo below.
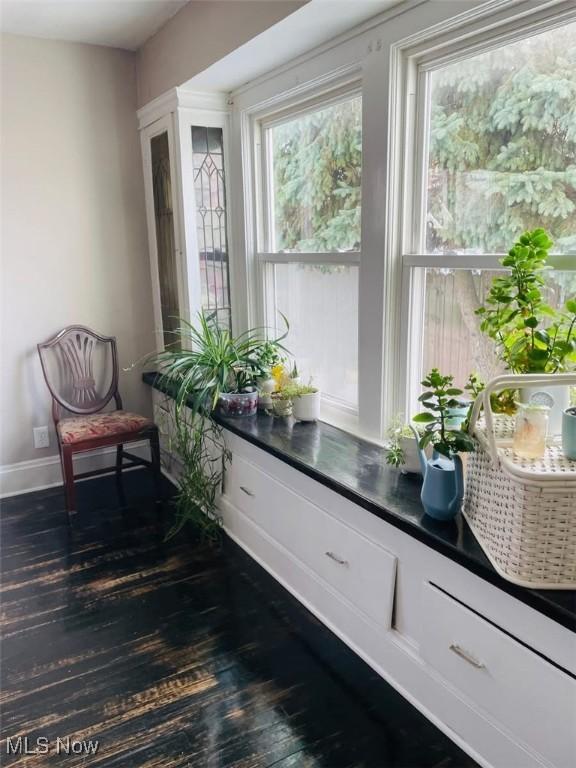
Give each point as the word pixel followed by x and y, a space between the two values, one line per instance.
pixel 443 487
pixel 294 374
pixel 402 447
pixel 269 357
pixel 305 402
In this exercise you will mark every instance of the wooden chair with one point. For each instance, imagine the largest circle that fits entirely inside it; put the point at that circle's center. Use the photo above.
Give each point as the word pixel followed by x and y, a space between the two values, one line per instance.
pixel 81 371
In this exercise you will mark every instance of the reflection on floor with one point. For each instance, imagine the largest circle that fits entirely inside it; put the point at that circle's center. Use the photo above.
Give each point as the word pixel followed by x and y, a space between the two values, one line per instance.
pixel 176 655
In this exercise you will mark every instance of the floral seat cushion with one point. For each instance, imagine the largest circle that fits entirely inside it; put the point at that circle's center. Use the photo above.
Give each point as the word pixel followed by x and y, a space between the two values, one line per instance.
pixel 79 428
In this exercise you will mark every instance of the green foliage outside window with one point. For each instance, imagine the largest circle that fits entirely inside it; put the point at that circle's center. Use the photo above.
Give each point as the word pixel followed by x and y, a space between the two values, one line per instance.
pixel 503 146
pixel 317 170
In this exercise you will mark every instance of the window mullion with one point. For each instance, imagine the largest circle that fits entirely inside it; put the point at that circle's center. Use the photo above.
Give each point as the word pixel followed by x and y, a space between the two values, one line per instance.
pixel 338 258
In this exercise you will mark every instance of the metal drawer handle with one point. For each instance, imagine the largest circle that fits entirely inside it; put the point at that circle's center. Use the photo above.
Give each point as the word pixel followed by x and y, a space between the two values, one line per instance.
pixel 246 491
pixel 466 656
pixel 336 559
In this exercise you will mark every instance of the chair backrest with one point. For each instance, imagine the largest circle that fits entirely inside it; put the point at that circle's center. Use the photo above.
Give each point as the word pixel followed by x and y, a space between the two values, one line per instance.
pixel 81 370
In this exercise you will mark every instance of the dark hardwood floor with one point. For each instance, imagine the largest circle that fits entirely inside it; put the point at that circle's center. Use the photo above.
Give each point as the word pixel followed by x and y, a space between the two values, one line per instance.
pixel 176 654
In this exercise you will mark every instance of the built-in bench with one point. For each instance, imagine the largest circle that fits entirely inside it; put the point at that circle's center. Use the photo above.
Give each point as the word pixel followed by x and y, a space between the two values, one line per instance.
pixel 491 663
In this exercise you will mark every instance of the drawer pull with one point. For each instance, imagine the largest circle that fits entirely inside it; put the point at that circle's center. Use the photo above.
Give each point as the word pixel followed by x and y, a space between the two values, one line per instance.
pixel 246 491
pixel 336 559
pixel 466 656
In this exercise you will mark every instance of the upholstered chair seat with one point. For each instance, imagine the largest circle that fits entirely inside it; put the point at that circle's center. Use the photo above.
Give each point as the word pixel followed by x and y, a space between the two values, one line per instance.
pixel 77 429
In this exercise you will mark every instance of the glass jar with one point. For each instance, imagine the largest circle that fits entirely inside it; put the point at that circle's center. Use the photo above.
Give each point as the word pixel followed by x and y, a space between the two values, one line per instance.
pixel 530 430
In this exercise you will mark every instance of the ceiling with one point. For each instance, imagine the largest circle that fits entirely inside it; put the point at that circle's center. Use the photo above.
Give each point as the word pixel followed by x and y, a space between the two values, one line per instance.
pixel 120 24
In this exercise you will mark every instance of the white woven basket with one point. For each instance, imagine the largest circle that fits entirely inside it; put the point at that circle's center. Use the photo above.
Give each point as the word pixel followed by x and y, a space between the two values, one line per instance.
pixel 522 512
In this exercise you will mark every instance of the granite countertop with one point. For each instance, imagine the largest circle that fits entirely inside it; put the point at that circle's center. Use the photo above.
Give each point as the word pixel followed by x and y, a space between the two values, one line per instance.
pixel 357 469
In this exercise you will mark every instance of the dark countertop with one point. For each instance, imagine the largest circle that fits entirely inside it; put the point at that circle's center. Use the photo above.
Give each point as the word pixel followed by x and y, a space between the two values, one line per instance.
pixel 356 469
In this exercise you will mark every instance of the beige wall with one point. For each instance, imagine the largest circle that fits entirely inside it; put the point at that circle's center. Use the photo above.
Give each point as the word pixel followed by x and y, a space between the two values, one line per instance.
pixel 198 35
pixel 73 243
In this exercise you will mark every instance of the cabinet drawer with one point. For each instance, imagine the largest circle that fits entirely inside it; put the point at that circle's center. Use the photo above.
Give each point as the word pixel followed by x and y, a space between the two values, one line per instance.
pixel 362 572
pixel 520 691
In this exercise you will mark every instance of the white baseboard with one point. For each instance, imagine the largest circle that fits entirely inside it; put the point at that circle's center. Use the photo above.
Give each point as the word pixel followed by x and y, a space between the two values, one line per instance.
pixel 35 475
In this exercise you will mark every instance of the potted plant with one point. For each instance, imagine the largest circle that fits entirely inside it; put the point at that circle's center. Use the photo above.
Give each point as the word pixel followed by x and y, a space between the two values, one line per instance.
pixel 294 375
pixel 208 369
pixel 531 336
pixel 443 487
pixel 269 357
pixel 402 447
pixel 281 403
pixel 305 402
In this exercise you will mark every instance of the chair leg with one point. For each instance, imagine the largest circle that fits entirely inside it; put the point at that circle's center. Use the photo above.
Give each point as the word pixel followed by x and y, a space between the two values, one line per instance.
pixel 68 472
pixel 156 467
pixel 119 479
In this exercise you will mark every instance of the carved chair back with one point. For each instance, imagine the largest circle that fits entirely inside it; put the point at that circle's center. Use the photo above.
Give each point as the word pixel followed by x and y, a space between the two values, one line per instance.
pixel 81 370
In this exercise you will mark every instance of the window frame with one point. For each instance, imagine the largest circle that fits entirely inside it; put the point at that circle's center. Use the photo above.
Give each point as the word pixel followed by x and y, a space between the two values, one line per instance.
pixel 264 256
pixel 187 118
pixel 412 67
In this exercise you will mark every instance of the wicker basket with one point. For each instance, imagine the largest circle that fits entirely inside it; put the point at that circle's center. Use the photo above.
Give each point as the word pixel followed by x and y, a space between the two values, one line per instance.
pixel 522 512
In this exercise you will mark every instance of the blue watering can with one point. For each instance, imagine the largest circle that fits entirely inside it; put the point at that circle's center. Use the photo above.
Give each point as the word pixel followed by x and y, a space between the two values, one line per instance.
pixel 443 486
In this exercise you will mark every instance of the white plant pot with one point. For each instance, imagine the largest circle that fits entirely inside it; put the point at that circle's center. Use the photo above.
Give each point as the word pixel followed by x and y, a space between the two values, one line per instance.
pixel 265 389
pixel 409 448
pixel 558 396
pixel 306 407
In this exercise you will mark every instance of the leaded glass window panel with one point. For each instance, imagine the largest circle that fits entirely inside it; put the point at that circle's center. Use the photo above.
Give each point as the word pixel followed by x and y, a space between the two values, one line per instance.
pixel 209 187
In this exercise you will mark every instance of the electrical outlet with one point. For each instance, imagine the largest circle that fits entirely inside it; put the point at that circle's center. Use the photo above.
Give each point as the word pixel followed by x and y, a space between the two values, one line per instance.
pixel 41 437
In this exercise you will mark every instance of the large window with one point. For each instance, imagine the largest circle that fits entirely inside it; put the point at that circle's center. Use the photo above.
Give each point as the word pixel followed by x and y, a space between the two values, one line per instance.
pixel 499 139
pixel 309 246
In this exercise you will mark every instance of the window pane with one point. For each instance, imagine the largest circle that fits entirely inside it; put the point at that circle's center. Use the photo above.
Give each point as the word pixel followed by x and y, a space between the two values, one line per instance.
pixel 316 170
pixel 453 341
pixel 321 304
pixel 502 147
pixel 209 186
pixel 166 253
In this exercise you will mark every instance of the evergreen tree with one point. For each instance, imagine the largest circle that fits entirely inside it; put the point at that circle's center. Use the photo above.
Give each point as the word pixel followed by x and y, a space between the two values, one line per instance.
pixel 317 167
pixel 503 146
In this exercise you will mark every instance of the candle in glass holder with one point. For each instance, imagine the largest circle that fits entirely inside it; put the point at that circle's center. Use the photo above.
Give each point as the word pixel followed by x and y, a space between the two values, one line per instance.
pixel 530 430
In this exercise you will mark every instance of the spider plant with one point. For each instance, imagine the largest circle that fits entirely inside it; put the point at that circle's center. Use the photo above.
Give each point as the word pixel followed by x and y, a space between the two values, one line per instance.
pixel 210 361
pixel 205 362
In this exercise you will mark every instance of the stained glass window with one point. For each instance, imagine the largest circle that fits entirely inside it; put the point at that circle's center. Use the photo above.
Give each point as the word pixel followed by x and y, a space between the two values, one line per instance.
pixel 209 186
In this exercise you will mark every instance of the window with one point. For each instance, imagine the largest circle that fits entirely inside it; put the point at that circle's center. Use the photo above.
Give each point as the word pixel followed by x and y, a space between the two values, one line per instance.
pixel 210 197
pixel 310 238
pixel 321 302
pixel 165 239
pixel 499 139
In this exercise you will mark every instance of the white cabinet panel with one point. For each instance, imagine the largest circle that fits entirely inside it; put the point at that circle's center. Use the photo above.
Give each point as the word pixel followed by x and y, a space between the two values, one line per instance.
pixel 520 691
pixel 360 570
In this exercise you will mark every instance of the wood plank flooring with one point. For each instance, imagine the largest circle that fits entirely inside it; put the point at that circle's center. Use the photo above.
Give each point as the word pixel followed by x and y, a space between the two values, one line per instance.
pixel 174 654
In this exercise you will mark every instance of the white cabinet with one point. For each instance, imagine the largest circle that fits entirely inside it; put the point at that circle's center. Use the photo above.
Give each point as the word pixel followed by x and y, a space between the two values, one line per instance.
pixel 526 695
pixel 359 570
pixel 185 156
pixel 470 668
